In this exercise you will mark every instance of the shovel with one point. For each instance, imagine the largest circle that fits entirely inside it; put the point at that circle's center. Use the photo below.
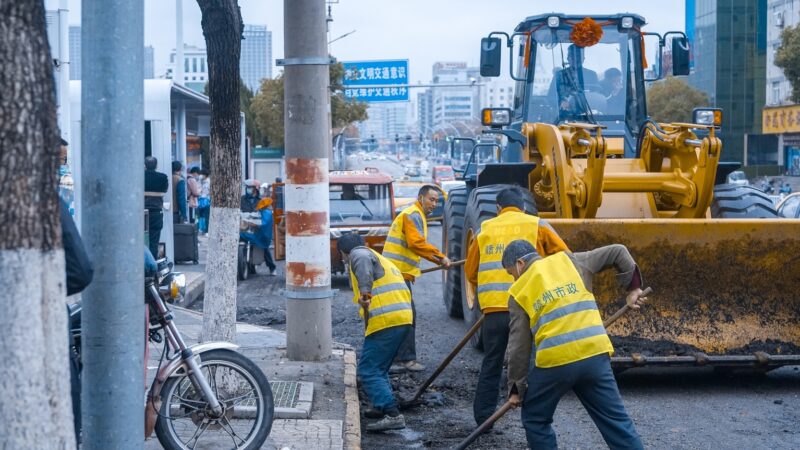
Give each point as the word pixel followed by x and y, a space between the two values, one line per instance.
pixel 452 264
pixel 413 400
pixel 507 405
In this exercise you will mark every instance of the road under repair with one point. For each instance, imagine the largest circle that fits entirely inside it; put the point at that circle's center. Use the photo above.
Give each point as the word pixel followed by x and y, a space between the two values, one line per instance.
pixel 672 408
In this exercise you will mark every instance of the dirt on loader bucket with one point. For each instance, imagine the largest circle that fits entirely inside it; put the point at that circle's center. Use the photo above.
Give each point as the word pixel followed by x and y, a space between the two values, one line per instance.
pixel 725 289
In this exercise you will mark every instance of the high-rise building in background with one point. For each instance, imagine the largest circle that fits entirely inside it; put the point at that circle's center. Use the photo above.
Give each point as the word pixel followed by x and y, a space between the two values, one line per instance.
pixel 387 121
pixel 74 53
pixel 195 67
pixel 255 62
pixel 497 93
pixel 458 104
pixel 425 113
pixel 729 49
pixel 149 63
pixel 75 56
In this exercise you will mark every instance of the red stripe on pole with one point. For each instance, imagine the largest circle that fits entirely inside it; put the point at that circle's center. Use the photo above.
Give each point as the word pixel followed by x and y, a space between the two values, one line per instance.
pixel 306 171
pixel 305 223
pixel 305 274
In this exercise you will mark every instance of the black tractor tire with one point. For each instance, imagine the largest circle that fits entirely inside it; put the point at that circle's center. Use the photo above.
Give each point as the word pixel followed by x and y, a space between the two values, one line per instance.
pixel 452 227
pixel 733 201
pixel 482 206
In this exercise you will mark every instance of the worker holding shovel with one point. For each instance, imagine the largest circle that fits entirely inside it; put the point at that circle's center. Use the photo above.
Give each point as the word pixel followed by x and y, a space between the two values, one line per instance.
pixel 553 311
pixel 484 270
pixel 385 301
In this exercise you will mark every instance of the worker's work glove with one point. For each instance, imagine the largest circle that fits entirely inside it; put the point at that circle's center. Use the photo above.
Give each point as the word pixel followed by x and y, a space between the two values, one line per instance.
pixel 365 300
pixel 635 298
pixel 445 262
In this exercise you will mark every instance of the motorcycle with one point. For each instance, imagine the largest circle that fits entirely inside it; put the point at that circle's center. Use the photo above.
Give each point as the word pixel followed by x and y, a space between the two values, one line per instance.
pixel 202 395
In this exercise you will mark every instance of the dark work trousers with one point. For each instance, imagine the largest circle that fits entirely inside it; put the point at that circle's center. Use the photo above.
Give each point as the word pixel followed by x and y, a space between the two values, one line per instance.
pixel 156 223
pixel 495 340
pixel 373 367
pixel 408 349
pixel 593 382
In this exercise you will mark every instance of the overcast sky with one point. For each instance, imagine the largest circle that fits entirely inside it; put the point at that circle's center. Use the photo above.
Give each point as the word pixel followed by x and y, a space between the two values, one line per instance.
pixel 422 31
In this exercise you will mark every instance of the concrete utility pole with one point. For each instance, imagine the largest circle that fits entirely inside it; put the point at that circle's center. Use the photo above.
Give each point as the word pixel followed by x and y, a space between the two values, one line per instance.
pixel 307 137
pixel 112 139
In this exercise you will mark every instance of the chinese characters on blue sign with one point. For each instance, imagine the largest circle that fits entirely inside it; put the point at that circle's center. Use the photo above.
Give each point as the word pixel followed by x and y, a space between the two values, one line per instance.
pixel 376 81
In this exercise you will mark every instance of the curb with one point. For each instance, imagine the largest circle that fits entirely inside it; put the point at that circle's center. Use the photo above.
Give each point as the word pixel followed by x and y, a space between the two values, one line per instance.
pixel 194 290
pixel 352 416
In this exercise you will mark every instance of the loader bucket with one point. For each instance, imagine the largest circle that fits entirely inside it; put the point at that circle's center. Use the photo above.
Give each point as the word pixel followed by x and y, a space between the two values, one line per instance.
pixel 725 290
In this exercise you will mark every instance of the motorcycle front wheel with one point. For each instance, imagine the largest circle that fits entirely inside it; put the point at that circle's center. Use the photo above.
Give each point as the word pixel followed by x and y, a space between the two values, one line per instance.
pixel 186 422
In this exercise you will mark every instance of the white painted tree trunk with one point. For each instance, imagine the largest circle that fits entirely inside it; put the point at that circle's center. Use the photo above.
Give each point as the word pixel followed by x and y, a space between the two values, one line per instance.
pixel 35 403
pixel 219 306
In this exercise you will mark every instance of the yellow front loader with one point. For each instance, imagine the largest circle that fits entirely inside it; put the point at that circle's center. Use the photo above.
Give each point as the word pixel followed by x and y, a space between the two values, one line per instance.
pixel 721 262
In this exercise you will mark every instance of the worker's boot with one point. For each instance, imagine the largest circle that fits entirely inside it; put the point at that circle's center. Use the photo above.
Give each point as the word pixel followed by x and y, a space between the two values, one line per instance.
pixel 393 420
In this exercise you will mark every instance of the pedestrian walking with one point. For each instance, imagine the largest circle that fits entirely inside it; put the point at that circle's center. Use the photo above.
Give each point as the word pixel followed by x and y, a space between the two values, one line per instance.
pixel 554 312
pixel 483 269
pixel 406 244
pixel 193 192
pixel 385 305
pixel 156 184
pixel 204 202
pixel 179 213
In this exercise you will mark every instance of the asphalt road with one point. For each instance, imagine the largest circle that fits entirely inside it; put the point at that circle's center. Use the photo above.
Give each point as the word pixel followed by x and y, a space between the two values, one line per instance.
pixel 672 409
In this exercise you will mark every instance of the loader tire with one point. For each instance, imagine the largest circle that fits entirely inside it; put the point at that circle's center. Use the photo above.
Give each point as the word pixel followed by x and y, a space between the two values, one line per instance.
pixel 741 202
pixel 482 206
pixel 452 229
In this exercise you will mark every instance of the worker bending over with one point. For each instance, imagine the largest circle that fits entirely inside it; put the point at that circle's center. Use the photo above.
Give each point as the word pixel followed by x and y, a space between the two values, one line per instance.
pixel 385 301
pixel 406 243
pixel 484 270
pixel 553 311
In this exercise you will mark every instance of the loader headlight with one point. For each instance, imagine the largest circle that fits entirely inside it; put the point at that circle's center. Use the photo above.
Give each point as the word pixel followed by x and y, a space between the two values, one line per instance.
pixel 496 117
pixel 707 116
pixel 553 21
pixel 626 22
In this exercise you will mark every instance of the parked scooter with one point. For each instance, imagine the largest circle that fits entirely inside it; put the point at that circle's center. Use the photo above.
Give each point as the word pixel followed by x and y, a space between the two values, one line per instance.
pixel 204 395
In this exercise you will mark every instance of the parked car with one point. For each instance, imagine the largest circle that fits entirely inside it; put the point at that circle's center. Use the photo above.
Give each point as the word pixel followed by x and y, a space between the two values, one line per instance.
pixel 443 173
pixel 789 207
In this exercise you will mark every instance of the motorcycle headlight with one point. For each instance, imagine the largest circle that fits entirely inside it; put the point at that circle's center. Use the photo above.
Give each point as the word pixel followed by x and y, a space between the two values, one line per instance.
pixel 178 287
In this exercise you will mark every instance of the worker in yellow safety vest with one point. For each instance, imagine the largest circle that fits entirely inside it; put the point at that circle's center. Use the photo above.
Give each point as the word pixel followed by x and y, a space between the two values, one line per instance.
pixel 406 244
pixel 554 312
pixel 379 288
pixel 484 271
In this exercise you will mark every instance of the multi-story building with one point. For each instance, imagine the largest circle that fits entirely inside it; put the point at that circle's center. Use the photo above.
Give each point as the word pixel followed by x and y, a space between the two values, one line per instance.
pixel 497 93
pixel 149 63
pixel 75 56
pixel 74 53
pixel 780 147
pixel 729 49
pixel 195 67
pixel 255 63
pixel 386 121
pixel 425 113
pixel 456 104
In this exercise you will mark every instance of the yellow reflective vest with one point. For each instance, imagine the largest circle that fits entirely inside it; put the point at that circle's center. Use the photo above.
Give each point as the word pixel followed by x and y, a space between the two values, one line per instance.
pixel 396 248
pixel 565 323
pixel 495 234
pixel 390 305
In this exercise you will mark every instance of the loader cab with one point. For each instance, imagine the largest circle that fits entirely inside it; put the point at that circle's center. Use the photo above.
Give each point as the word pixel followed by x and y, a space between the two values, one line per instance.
pixel 561 77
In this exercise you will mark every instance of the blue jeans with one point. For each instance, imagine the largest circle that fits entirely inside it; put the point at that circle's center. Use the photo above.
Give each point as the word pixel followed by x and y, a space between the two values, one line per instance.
pixel 373 367
pixel 593 382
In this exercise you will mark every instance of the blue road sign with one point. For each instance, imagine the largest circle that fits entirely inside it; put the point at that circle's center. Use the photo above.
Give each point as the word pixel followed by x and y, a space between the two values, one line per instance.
pixel 376 81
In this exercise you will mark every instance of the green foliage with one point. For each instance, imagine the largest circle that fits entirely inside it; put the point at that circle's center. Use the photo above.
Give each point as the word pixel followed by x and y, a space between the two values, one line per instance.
pixel 267 106
pixel 672 100
pixel 787 57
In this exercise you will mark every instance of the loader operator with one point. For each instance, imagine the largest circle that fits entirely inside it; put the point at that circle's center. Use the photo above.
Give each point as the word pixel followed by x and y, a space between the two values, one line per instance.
pixel 554 311
pixel 406 243
pixel 380 290
pixel 484 270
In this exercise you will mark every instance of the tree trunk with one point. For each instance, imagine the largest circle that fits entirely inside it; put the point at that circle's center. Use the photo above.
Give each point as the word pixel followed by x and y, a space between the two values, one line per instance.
pixel 34 373
pixel 222 28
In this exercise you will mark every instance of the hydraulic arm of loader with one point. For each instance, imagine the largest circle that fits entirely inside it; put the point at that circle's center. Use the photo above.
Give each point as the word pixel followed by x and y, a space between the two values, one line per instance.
pixel 673 178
